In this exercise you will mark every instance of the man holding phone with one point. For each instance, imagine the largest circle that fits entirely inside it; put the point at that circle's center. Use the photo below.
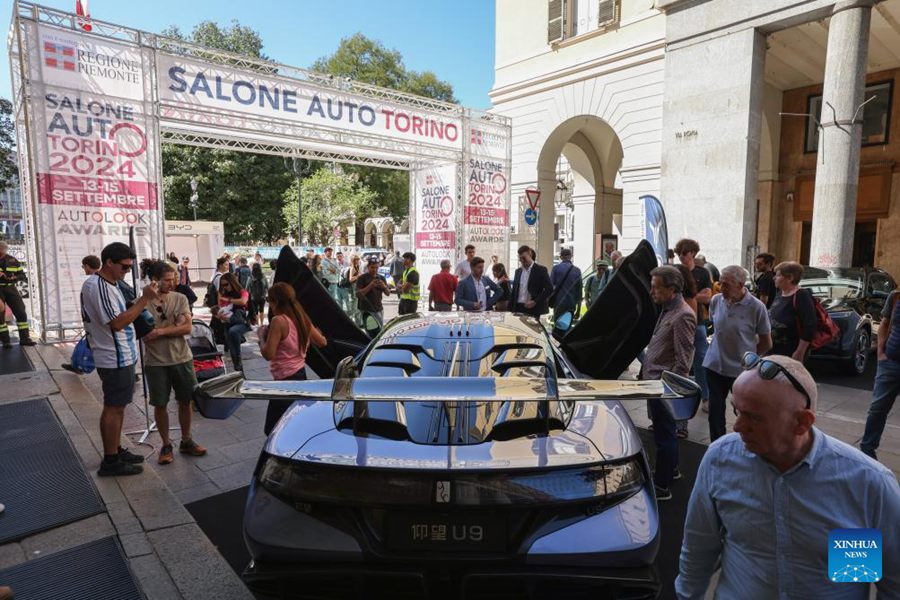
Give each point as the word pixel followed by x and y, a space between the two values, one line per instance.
pixel 370 288
pixel 108 324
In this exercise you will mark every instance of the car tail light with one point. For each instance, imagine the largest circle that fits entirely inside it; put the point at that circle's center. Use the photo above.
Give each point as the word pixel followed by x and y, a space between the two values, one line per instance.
pixel 302 482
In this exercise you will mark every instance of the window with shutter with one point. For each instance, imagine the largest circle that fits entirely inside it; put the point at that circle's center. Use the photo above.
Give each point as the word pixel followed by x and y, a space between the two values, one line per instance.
pixel 608 13
pixel 556 20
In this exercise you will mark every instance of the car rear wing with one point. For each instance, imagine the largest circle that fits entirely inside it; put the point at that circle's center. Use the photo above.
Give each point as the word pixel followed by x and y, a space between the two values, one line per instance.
pixel 678 395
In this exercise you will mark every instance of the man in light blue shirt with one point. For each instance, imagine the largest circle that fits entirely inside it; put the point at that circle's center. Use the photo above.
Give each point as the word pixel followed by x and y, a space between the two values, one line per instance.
pixel 767 496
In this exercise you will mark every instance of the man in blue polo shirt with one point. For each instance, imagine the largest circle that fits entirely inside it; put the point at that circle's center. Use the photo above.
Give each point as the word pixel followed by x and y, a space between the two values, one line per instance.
pixel 741 325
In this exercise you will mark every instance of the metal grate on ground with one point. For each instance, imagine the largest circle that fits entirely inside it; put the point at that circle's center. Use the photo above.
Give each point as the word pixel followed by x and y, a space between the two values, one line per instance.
pixel 14 360
pixel 94 571
pixel 44 482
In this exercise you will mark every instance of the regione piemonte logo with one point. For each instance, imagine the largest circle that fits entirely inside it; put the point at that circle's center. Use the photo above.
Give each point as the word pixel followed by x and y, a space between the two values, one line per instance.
pixel 59 56
pixel 854 555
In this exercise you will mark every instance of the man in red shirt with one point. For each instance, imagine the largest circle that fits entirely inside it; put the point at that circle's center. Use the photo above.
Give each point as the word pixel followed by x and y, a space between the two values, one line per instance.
pixel 441 289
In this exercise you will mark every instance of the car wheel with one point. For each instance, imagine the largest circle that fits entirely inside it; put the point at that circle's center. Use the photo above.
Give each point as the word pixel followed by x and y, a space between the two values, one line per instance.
pixel 862 345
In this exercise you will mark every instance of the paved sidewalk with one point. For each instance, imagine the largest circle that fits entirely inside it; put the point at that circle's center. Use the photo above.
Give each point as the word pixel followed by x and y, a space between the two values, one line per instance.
pixel 169 555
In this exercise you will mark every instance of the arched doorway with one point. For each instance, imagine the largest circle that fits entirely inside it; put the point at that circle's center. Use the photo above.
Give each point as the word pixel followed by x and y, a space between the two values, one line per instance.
pixel 387 235
pixel 370 239
pixel 577 169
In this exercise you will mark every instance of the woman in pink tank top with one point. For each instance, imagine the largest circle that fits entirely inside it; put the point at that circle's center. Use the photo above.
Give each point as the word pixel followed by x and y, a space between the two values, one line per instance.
pixel 284 344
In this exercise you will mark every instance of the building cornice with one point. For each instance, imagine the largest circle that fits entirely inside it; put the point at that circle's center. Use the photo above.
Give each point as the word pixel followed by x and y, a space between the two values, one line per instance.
pixel 647 52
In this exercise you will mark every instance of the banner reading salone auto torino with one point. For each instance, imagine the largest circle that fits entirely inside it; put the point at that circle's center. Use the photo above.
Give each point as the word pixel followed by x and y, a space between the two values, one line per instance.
pixel 92 107
pixel 94 160
pixel 434 220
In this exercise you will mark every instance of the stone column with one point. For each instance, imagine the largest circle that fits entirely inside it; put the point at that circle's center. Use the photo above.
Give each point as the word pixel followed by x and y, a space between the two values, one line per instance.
pixel 837 171
pixel 584 230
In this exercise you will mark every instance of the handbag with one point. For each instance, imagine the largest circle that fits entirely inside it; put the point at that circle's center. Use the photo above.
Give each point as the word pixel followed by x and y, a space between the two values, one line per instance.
pixel 83 356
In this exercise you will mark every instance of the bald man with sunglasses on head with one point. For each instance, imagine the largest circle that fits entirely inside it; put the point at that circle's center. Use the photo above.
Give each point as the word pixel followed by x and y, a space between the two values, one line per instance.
pixel 768 495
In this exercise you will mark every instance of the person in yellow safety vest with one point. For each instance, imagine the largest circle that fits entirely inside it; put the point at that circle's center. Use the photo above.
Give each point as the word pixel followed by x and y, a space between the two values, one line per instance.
pixel 409 285
pixel 10 273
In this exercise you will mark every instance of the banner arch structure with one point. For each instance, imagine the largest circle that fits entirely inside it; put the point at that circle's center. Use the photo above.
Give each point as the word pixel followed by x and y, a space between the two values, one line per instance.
pixel 93 109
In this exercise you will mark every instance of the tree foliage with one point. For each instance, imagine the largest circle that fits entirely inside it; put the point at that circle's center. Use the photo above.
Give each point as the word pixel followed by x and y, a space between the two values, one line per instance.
pixel 328 198
pixel 369 61
pixel 243 190
pixel 8 169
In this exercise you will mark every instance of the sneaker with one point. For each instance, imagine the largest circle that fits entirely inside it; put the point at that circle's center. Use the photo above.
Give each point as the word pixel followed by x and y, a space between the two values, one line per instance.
pixel 677 474
pixel 129 457
pixel 662 494
pixel 72 369
pixel 117 468
pixel 165 455
pixel 704 405
pixel 191 447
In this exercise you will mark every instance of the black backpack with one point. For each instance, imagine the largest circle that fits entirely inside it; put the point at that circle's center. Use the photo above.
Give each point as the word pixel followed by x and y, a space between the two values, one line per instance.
pixel 258 291
pixel 212 293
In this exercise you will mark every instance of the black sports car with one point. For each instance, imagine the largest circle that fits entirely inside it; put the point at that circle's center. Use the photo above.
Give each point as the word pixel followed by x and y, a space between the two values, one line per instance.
pixel 853 298
pixel 462 452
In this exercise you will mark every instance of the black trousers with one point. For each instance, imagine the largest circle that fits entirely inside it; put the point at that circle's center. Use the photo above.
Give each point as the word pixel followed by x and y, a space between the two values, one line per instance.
pixel 10 296
pixel 719 388
pixel 407 307
pixel 277 408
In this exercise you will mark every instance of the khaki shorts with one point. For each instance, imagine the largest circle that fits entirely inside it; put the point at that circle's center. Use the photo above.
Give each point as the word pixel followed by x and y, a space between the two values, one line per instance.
pixel 162 380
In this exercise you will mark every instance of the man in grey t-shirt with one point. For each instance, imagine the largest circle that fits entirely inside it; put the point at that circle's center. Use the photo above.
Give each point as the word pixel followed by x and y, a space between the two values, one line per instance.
pixel 741 324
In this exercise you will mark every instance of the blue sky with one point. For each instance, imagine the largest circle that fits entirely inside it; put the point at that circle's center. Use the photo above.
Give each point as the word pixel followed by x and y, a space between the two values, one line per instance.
pixel 453 38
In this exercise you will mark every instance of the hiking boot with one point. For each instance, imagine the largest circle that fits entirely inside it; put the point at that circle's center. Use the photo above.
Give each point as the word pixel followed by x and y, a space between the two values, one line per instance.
pixel 165 455
pixel 117 468
pixel 72 369
pixel 129 457
pixel 25 338
pixel 662 494
pixel 191 447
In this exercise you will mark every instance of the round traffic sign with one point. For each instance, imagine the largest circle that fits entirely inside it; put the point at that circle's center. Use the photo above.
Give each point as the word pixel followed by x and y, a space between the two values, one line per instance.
pixel 530 216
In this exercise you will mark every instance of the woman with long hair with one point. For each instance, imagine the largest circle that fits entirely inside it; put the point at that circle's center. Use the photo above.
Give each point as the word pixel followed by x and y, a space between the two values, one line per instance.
pixel 259 288
pixel 285 342
pixel 232 313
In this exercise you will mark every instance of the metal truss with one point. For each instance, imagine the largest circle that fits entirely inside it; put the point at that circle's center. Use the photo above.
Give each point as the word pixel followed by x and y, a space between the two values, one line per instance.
pixel 279 149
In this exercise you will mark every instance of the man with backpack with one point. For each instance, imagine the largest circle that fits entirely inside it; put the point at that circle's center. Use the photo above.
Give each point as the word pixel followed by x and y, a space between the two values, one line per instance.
pixel 887 375
pixel 566 280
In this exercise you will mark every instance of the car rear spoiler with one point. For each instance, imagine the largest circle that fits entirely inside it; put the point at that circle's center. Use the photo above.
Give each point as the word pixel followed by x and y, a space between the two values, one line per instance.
pixel 678 395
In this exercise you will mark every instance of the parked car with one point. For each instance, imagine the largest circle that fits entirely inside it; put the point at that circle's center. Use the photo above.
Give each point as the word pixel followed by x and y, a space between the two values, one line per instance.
pixel 854 298
pixel 465 452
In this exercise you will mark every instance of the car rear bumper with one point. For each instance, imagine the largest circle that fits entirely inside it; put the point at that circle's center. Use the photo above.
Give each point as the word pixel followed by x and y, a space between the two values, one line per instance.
pixel 612 551
pixel 396 581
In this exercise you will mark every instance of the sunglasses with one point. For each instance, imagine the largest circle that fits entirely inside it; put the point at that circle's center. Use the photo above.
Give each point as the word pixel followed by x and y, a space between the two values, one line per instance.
pixel 161 312
pixel 769 370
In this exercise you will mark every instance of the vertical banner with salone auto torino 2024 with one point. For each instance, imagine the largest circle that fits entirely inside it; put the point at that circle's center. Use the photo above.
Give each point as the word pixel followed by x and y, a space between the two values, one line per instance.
pixel 95 158
pixel 486 192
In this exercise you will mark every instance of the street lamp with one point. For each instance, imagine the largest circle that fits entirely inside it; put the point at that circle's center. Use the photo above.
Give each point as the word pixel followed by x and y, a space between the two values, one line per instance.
pixel 300 168
pixel 194 196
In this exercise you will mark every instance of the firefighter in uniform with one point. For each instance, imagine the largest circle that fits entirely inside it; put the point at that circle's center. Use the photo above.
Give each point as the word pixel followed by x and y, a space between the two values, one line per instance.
pixel 409 286
pixel 10 272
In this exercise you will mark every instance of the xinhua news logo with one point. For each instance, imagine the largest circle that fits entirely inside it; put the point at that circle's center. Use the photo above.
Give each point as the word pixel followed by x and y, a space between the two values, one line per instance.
pixel 854 555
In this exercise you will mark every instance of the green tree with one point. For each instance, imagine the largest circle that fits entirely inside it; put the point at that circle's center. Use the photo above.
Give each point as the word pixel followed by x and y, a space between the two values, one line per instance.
pixel 243 190
pixel 369 61
pixel 8 170
pixel 329 198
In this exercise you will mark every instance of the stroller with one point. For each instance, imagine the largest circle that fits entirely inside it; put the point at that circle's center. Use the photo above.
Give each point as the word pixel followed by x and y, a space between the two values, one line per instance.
pixel 208 364
pixel 208 361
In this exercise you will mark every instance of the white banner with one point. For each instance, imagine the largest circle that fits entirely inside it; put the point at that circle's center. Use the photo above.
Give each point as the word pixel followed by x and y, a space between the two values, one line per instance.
pixel 95 157
pixel 486 208
pixel 184 82
pixel 434 220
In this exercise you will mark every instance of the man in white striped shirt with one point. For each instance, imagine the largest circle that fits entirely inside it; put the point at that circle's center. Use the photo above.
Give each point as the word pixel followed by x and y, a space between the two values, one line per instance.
pixel 108 323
